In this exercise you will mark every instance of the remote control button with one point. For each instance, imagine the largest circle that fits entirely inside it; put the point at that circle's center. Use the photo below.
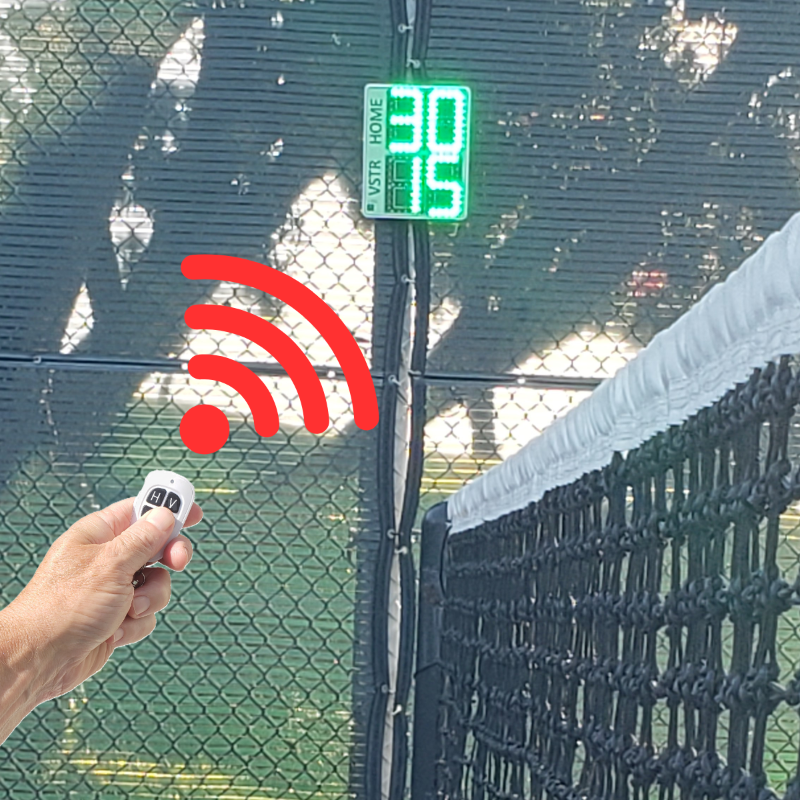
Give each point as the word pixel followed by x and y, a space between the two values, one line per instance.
pixel 144 510
pixel 156 496
pixel 173 503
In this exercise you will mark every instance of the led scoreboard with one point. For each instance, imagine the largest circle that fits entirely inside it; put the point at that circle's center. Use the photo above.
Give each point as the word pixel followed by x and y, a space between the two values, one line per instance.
pixel 416 151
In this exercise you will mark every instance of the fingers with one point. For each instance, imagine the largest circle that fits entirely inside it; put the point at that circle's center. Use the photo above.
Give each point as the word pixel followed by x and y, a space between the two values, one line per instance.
pixel 178 553
pixel 195 515
pixel 134 630
pixel 153 596
pixel 147 601
pixel 142 540
pixel 116 518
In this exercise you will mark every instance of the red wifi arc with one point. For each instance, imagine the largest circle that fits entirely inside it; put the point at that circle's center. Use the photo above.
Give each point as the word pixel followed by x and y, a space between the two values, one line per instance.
pixel 205 429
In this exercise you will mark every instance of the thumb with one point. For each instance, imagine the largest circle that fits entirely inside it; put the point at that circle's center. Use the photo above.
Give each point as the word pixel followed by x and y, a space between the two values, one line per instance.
pixel 137 545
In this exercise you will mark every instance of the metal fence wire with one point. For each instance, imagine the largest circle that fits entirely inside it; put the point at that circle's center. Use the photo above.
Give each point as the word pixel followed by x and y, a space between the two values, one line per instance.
pixel 132 136
pixel 626 155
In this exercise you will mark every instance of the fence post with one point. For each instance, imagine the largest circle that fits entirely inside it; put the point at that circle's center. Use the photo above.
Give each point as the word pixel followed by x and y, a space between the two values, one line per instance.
pixel 428 676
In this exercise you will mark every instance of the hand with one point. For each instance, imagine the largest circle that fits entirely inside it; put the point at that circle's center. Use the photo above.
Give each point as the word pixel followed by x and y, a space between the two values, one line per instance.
pixel 80 603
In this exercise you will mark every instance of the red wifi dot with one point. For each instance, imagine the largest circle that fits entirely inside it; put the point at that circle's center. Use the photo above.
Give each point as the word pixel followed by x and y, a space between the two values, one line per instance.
pixel 204 429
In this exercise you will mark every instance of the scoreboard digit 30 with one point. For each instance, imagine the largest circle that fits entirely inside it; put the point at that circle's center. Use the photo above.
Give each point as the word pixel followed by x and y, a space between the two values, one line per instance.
pixel 416 151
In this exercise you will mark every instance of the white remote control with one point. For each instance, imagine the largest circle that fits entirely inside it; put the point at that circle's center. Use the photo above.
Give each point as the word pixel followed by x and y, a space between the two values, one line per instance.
pixel 168 489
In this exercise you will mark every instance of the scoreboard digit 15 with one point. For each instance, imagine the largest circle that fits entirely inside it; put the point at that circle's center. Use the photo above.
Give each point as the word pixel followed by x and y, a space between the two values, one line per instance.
pixel 416 151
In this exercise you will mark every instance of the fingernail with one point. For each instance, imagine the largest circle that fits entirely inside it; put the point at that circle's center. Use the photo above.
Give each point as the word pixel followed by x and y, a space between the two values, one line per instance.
pixel 186 553
pixel 140 604
pixel 161 517
pixel 118 634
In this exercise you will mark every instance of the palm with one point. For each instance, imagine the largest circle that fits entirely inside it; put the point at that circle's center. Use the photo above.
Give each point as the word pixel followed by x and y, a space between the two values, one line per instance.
pixel 73 674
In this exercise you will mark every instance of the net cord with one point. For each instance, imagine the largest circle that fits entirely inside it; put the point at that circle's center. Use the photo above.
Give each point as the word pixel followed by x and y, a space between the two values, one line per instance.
pixel 739 325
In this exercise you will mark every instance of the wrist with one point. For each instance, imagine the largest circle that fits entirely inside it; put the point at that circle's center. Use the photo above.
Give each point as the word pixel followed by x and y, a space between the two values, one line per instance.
pixel 23 667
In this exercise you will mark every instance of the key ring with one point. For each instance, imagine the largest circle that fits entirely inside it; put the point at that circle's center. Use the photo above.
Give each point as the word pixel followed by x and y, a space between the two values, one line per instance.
pixel 138 578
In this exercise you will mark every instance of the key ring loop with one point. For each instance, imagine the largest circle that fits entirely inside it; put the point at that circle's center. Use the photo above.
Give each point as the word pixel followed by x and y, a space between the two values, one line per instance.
pixel 138 578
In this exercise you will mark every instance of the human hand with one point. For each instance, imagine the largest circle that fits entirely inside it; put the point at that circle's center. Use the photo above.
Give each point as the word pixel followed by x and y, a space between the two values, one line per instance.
pixel 80 604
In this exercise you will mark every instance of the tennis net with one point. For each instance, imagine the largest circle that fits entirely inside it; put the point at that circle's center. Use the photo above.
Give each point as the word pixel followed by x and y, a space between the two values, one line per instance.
pixel 618 609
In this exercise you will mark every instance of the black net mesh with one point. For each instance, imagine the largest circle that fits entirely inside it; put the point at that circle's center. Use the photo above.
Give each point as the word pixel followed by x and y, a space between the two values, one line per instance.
pixel 634 634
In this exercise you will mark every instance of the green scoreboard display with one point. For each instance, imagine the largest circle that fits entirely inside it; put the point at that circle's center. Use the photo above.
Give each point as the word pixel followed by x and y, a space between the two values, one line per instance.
pixel 416 151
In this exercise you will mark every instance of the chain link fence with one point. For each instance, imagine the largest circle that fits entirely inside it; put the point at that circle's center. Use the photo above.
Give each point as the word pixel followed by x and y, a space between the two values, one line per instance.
pixel 627 155
pixel 116 161
pixel 632 154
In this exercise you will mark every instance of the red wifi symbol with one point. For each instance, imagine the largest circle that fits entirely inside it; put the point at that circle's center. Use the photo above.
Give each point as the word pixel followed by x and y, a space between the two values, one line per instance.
pixel 205 429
